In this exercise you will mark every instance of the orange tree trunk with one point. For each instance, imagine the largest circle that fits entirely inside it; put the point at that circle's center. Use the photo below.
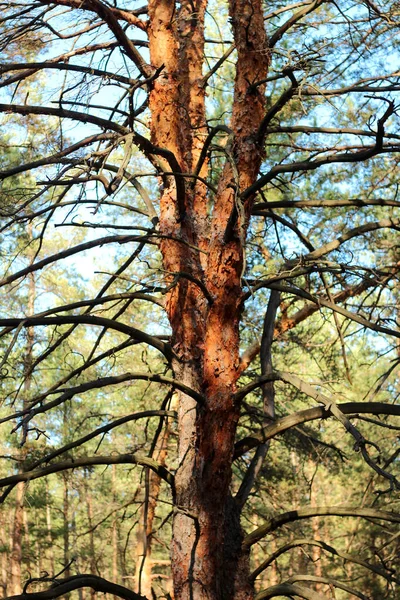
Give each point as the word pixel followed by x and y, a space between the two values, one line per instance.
pixel 203 253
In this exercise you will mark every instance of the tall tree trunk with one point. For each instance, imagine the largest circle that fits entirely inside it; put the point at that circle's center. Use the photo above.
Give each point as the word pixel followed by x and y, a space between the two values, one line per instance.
pixel 66 543
pixel 4 567
pixel 316 529
pixel 50 554
pixel 114 530
pixel 204 310
pixel 89 509
pixel 66 503
pixel 16 548
pixel 145 534
pixel 28 554
pixel 16 556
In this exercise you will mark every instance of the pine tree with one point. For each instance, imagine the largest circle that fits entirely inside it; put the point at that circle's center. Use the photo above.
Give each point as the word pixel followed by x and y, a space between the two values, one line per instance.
pixel 242 190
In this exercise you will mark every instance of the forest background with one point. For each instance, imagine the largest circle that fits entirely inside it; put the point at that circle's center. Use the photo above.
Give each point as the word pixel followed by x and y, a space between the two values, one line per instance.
pixel 199 299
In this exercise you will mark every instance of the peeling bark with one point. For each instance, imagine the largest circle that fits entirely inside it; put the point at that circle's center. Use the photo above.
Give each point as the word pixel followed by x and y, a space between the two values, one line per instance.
pixel 205 327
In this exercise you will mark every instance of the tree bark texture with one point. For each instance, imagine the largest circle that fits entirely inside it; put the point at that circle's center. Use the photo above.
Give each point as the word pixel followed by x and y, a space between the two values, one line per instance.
pixel 207 176
pixel 206 552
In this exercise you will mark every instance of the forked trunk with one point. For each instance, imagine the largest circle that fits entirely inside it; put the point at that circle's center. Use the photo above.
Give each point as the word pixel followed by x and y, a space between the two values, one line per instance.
pixel 203 256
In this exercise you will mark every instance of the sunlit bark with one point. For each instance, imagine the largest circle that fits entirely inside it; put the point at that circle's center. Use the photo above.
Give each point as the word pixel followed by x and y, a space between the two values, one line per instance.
pixel 205 330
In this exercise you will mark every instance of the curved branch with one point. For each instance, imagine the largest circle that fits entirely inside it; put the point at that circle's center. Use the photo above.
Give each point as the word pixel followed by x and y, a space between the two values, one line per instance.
pixel 62 113
pixel 350 234
pixel 104 382
pixel 6 67
pixel 312 165
pixel 297 16
pixel 316 511
pixel 55 158
pixel 319 544
pixel 102 300
pixel 330 405
pixel 143 143
pixel 102 430
pixel 26 217
pixel 312 414
pixel 289 590
pixel 285 323
pixel 320 301
pixel 129 16
pixel 285 97
pixel 110 16
pixel 79 442
pixel 217 65
pixel 91 461
pixel 87 319
pixel 64 586
pixel 260 208
pixel 328 130
pixel 328 581
pixel 344 157
pixel 109 239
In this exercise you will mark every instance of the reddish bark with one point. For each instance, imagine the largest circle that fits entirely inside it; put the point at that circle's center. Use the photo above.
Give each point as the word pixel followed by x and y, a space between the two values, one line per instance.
pixel 205 326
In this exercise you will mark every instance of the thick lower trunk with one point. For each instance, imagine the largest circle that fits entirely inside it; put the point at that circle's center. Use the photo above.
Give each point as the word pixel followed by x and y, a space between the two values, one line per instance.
pixel 144 562
pixel 207 559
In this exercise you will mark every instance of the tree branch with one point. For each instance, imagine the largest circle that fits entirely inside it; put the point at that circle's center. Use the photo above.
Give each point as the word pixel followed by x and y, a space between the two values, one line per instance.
pixel 289 590
pixel 102 430
pixel 99 383
pixel 332 583
pixel 260 208
pixel 316 511
pixel 35 66
pixel 297 16
pixel 63 113
pixel 110 239
pixel 319 544
pixel 330 405
pixel 62 587
pixel 322 302
pixel 87 319
pixel 312 414
pixel 91 461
